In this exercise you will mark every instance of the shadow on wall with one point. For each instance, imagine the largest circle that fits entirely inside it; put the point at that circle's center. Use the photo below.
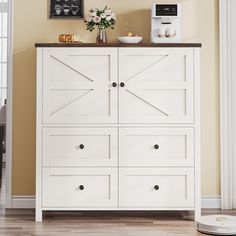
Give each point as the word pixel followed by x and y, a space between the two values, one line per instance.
pixel 137 22
pixel 24 121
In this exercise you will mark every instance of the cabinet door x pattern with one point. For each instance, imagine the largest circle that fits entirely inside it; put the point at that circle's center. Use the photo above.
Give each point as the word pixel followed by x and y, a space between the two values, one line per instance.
pixel 77 85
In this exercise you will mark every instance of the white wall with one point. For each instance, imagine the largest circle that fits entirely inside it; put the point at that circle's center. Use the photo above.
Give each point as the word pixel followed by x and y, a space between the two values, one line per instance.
pixel 233 89
pixel 228 103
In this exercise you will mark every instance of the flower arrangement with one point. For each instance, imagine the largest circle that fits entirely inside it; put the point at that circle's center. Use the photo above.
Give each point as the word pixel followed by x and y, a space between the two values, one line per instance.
pixel 101 17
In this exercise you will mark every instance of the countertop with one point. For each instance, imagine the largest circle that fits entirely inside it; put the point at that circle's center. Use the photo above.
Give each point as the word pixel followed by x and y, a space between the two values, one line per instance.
pixel 75 44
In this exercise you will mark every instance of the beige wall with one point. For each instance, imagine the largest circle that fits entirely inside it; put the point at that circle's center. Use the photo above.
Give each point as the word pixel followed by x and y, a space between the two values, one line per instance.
pixel 200 24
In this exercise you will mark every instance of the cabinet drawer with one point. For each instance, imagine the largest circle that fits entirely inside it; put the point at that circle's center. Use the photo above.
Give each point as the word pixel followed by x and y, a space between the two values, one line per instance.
pixel 156 147
pixel 80 147
pixel 79 187
pixel 156 187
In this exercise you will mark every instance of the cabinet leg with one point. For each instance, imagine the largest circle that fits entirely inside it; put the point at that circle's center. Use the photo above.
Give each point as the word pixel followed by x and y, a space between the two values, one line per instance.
pixel 38 215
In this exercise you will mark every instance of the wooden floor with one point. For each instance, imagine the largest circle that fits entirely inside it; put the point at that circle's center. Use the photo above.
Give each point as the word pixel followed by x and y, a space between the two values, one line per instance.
pixel 21 223
pixel 17 223
pixel 109 224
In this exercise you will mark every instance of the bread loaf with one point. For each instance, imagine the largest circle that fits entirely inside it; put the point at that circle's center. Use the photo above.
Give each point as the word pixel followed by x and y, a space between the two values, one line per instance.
pixel 66 38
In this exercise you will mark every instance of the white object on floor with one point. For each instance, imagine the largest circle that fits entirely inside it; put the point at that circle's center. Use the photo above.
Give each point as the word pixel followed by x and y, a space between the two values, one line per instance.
pixel 217 225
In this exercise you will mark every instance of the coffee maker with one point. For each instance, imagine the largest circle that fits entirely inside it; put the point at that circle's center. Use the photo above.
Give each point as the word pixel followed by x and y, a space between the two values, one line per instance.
pixel 166 23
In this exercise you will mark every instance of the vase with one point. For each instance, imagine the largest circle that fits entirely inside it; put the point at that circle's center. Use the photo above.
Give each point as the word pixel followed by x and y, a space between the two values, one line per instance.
pixel 102 35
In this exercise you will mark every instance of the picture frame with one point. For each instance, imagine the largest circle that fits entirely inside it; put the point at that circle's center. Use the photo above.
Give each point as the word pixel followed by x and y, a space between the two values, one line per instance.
pixel 66 9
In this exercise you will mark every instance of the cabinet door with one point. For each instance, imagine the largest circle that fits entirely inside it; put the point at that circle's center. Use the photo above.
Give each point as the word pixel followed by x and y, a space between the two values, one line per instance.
pixel 157 85
pixel 77 85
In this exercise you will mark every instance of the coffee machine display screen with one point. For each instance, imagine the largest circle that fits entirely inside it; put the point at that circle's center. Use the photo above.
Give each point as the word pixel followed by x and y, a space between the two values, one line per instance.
pixel 166 10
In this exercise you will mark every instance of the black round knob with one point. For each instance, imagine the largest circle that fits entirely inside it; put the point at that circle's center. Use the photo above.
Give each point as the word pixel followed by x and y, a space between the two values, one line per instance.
pixel 122 84
pixel 156 187
pixel 114 84
pixel 81 146
pixel 156 146
pixel 81 187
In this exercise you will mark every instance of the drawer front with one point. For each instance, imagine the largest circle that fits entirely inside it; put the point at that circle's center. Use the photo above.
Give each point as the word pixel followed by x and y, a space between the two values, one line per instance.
pixel 158 85
pixel 156 187
pixel 80 147
pixel 156 147
pixel 79 187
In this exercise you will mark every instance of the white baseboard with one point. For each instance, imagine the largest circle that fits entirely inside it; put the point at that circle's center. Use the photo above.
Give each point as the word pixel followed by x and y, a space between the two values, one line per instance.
pixel 23 202
pixel 28 202
pixel 211 202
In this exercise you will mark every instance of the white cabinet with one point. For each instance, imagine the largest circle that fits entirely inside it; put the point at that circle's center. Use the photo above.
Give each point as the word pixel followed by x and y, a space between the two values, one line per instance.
pixel 117 128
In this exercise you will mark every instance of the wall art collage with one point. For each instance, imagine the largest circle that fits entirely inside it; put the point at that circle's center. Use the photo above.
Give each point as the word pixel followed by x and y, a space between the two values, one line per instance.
pixel 63 9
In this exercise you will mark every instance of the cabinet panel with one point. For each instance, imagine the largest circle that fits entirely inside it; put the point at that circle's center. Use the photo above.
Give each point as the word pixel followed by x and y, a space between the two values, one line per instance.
pixel 80 147
pixel 156 147
pixel 79 187
pixel 156 187
pixel 158 85
pixel 77 85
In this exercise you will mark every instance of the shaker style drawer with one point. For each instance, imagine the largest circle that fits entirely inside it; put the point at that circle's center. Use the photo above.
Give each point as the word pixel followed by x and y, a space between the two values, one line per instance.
pixel 157 85
pixel 79 187
pixel 156 187
pixel 80 147
pixel 156 147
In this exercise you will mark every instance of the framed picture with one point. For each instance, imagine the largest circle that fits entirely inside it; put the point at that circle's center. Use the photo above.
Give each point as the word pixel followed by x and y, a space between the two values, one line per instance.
pixel 66 9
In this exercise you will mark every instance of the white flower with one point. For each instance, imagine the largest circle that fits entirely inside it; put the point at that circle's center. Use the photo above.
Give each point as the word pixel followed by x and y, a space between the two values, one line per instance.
pixel 108 18
pixel 93 14
pixel 93 9
pixel 108 12
pixel 97 19
pixel 89 19
pixel 100 9
pixel 103 15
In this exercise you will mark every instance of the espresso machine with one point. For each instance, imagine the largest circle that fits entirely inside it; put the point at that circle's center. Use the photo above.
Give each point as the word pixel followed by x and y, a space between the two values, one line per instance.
pixel 166 23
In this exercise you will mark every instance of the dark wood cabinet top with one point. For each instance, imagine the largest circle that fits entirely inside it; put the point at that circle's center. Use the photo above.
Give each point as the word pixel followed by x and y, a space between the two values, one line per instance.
pixel 117 45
